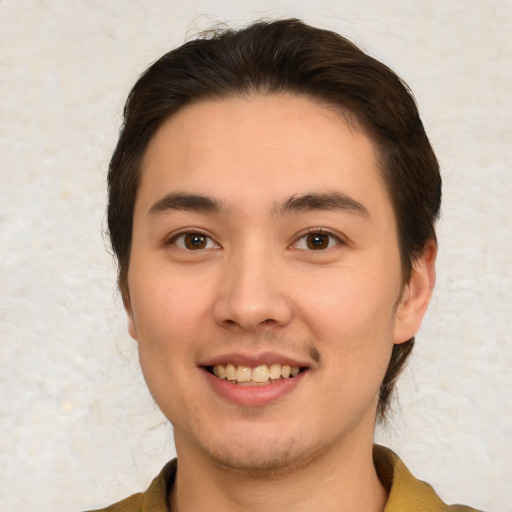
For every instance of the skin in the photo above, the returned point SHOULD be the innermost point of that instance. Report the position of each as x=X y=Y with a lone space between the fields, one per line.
x=257 y=286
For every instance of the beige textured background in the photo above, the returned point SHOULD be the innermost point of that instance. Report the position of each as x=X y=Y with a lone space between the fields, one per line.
x=77 y=427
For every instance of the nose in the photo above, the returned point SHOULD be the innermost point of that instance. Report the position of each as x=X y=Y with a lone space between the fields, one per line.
x=252 y=293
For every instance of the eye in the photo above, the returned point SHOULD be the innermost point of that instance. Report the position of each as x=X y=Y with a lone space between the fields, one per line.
x=317 y=241
x=194 y=241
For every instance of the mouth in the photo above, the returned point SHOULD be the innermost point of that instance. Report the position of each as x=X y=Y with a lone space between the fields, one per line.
x=260 y=375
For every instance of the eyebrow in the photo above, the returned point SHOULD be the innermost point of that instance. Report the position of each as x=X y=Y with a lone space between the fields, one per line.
x=176 y=201
x=188 y=202
x=322 y=201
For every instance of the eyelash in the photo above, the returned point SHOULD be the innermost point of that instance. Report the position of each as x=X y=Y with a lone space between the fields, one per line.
x=296 y=244
x=318 y=231
x=174 y=240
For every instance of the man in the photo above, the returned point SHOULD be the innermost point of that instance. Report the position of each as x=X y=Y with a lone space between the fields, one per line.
x=272 y=202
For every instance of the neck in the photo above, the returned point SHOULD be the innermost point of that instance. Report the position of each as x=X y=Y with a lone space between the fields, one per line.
x=337 y=480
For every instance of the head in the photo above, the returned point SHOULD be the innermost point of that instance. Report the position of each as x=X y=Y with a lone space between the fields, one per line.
x=287 y=57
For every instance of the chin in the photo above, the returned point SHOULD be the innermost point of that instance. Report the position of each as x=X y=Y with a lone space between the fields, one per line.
x=259 y=464
x=263 y=458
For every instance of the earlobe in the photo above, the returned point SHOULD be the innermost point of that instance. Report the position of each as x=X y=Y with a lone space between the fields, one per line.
x=132 y=330
x=416 y=295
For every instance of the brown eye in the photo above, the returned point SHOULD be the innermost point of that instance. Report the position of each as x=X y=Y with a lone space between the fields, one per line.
x=194 y=242
x=317 y=241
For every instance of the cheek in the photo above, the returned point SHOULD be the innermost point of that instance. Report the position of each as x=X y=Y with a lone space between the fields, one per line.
x=170 y=319
x=168 y=306
x=352 y=321
x=349 y=301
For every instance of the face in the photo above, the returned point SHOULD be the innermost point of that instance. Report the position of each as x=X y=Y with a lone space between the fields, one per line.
x=265 y=287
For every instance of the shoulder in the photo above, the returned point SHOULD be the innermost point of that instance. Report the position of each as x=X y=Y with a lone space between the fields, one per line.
x=154 y=499
x=130 y=504
x=405 y=491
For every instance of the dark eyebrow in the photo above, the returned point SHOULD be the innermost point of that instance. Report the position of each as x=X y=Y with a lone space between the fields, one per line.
x=322 y=201
x=188 y=202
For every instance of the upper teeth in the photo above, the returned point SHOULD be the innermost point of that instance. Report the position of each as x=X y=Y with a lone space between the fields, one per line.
x=261 y=373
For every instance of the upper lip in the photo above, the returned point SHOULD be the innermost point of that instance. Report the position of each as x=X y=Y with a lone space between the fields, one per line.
x=253 y=360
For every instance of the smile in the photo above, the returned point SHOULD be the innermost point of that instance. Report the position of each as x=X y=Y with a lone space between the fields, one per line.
x=261 y=374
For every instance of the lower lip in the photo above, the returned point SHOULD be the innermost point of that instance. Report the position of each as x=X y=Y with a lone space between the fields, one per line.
x=254 y=396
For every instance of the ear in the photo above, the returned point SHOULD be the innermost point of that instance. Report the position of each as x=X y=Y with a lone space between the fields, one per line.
x=127 y=303
x=416 y=294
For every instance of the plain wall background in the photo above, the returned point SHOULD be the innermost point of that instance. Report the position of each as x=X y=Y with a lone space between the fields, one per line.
x=78 y=428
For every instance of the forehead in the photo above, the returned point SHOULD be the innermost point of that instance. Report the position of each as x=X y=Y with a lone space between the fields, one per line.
x=266 y=146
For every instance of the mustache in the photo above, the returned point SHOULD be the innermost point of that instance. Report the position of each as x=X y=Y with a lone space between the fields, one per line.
x=268 y=340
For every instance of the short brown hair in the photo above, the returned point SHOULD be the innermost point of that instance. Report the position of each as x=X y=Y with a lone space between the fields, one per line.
x=287 y=56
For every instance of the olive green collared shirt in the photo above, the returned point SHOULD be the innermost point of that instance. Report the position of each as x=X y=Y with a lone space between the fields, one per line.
x=406 y=493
